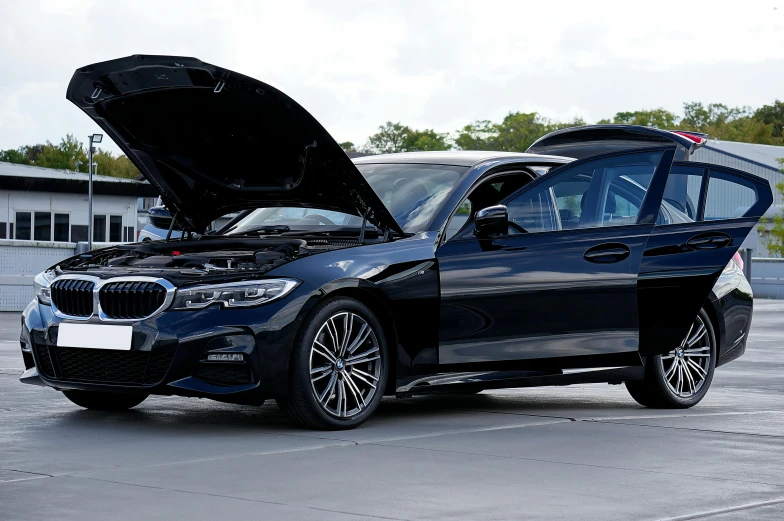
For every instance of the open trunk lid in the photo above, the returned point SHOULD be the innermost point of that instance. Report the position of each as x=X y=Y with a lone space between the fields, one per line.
x=590 y=140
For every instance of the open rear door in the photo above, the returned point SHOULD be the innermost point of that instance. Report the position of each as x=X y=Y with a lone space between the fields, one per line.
x=706 y=213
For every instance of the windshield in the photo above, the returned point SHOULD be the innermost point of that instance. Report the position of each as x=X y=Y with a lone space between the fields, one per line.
x=412 y=193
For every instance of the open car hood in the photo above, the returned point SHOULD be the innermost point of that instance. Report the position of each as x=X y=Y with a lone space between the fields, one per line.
x=213 y=141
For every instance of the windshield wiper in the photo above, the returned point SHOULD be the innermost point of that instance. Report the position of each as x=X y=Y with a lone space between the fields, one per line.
x=268 y=229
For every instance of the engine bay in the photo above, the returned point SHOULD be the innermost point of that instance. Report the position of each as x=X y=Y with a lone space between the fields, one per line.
x=201 y=257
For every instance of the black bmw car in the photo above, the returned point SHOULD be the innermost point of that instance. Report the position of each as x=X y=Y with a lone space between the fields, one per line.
x=602 y=255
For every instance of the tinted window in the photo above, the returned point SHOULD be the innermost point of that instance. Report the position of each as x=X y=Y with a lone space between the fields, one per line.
x=99 y=228
x=532 y=212
x=23 y=227
x=681 y=199
x=61 y=227
x=603 y=192
x=729 y=196
x=43 y=226
x=115 y=228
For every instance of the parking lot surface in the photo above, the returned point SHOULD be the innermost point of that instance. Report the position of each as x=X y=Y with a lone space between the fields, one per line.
x=581 y=452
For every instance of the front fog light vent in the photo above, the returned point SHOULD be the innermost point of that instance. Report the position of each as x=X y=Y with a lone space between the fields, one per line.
x=225 y=357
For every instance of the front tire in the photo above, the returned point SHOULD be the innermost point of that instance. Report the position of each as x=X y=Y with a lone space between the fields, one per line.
x=681 y=378
x=339 y=366
x=99 y=401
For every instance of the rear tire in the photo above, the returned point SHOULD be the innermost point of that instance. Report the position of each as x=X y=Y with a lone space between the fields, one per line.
x=338 y=368
x=681 y=378
x=100 y=401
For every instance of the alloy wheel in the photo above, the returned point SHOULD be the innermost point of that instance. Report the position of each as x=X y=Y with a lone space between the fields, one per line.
x=687 y=366
x=345 y=365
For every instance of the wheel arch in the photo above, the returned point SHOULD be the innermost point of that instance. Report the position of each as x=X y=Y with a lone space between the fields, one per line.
x=710 y=308
x=372 y=298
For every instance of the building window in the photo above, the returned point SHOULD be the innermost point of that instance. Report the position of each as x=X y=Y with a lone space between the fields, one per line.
x=79 y=233
x=2 y=231
x=115 y=228
x=62 y=226
x=130 y=234
x=99 y=228
x=22 y=226
x=43 y=226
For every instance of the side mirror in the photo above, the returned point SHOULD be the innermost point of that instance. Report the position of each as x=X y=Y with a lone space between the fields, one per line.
x=161 y=218
x=491 y=221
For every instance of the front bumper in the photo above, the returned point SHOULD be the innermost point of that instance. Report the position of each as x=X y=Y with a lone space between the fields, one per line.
x=169 y=351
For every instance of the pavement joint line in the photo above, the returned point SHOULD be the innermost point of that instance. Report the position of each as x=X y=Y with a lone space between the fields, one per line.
x=378 y=441
x=239 y=498
x=565 y=418
x=28 y=472
x=569 y=463
x=727 y=510
x=682 y=415
x=3 y=481
x=337 y=443
x=735 y=433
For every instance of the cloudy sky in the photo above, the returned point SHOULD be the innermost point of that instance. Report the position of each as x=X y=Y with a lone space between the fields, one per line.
x=428 y=64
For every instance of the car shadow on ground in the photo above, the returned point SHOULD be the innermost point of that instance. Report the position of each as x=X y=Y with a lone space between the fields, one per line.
x=164 y=414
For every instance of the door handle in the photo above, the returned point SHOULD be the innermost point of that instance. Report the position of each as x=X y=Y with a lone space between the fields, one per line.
x=607 y=253
x=709 y=241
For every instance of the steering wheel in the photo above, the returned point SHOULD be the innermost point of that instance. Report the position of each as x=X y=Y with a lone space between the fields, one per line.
x=320 y=218
x=517 y=227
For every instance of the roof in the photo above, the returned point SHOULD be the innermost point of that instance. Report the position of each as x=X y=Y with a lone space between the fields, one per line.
x=40 y=179
x=15 y=170
x=457 y=157
x=764 y=155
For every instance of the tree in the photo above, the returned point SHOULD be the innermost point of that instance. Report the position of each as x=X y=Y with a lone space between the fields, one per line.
x=348 y=146
x=395 y=137
x=657 y=118
x=772 y=115
x=774 y=241
x=478 y=135
x=70 y=154
x=727 y=123
x=64 y=156
x=13 y=156
x=515 y=133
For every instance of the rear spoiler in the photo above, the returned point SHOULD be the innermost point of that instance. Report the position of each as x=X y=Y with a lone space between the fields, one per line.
x=590 y=140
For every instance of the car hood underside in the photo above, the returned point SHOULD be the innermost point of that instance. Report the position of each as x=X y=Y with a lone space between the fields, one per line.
x=213 y=141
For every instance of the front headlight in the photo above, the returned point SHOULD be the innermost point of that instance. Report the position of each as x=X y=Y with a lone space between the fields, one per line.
x=41 y=284
x=233 y=295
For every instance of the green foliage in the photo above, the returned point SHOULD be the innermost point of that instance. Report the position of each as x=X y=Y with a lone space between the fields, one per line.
x=348 y=146
x=774 y=240
x=727 y=123
x=773 y=115
x=12 y=156
x=394 y=137
x=64 y=156
x=70 y=154
x=657 y=118
x=515 y=133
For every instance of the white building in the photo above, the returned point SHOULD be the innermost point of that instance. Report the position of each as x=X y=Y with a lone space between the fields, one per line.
x=43 y=213
x=761 y=160
x=44 y=205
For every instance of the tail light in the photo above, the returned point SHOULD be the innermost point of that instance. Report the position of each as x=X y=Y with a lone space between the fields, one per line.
x=738 y=260
x=692 y=136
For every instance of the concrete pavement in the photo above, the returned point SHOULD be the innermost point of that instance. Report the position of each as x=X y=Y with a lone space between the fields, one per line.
x=582 y=452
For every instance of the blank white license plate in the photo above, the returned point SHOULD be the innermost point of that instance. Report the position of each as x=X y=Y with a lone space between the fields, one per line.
x=95 y=336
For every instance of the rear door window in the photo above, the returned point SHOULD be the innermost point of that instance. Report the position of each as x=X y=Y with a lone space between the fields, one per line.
x=706 y=193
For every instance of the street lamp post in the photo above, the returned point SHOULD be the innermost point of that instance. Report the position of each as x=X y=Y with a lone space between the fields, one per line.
x=94 y=138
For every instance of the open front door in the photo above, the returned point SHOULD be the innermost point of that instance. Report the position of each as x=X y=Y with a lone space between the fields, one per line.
x=705 y=214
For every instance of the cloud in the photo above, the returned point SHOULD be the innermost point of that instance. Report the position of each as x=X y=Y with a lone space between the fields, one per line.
x=355 y=65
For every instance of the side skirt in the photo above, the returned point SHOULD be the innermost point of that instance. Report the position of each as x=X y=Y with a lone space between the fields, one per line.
x=477 y=381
